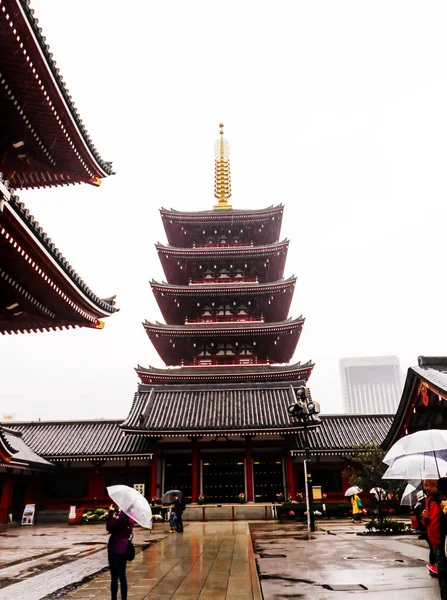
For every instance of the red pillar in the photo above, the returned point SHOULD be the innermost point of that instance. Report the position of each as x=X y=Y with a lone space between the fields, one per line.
x=249 y=471
x=154 y=476
x=5 y=498
x=195 y=471
x=290 y=477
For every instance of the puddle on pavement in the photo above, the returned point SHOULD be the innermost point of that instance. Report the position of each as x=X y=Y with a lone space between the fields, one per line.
x=273 y=556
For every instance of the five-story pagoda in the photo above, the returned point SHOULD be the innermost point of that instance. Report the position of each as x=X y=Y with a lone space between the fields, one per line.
x=218 y=412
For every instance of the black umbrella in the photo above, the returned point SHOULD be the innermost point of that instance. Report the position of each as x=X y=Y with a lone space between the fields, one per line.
x=168 y=497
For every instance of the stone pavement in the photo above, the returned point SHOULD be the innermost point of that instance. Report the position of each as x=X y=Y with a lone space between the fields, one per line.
x=39 y=560
x=209 y=561
x=215 y=560
x=335 y=562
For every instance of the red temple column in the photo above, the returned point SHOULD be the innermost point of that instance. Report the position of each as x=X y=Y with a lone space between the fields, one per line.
x=249 y=471
x=195 y=471
x=290 y=476
x=154 y=476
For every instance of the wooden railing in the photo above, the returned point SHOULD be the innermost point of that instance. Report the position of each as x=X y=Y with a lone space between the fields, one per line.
x=219 y=362
x=225 y=319
x=222 y=244
x=214 y=280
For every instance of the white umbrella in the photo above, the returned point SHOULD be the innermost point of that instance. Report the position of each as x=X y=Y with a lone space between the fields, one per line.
x=409 y=497
x=352 y=491
x=416 y=466
x=428 y=440
x=379 y=493
x=132 y=503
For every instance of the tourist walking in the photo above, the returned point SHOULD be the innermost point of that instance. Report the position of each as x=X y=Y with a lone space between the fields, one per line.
x=120 y=526
x=356 y=504
x=434 y=519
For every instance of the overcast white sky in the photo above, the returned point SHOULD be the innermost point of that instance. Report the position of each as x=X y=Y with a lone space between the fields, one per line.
x=336 y=109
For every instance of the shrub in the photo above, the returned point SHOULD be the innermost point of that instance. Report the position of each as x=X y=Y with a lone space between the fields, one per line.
x=98 y=515
x=387 y=526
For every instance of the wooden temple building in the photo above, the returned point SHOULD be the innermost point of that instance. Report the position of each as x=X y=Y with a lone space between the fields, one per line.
x=214 y=421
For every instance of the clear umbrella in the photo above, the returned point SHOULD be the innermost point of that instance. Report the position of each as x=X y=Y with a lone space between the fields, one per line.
x=168 y=497
x=416 y=466
x=353 y=490
x=409 y=497
x=132 y=503
x=428 y=440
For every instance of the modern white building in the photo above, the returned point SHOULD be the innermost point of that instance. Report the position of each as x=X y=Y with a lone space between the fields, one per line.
x=371 y=384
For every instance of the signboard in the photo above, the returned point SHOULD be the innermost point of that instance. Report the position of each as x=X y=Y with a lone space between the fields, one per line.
x=317 y=492
x=29 y=514
x=140 y=487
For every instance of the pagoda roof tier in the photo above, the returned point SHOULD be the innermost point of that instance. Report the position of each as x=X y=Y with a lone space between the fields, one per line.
x=274 y=341
x=225 y=374
x=39 y=289
x=183 y=264
x=185 y=302
x=260 y=226
x=180 y=411
x=44 y=141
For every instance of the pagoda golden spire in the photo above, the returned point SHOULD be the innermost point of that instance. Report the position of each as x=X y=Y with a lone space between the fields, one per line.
x=222 y=180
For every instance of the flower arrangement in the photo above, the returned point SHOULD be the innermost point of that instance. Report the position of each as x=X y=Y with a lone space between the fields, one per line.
x=324 y=496
x=201 y=499
x=241 y=497
x=279 y=497
x=299 y=497
x=98 y=515
x=155 y=500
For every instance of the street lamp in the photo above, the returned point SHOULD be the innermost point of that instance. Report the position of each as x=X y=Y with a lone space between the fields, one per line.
x=304 y=408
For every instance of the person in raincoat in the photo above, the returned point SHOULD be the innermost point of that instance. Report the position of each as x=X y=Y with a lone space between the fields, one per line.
x=356 y=509
x=120 y=526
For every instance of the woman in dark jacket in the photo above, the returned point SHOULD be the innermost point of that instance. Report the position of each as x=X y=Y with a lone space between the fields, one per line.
x=120 y=527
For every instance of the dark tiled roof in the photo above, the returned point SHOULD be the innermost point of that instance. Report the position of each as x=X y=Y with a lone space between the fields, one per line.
x=206 y=410
x=433 y=369
x=48 y=58
x=221 y=214
x=107 y=304
x=219 y=288
x=228 y=251
x=227 y=370
x=21 y=453
x=342 y=432
x=223 y=328
x=81 y=439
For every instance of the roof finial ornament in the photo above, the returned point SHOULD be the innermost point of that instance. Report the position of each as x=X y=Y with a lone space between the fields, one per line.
x=222 y=181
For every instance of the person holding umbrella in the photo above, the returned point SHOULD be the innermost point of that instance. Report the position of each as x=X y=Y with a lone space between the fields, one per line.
x=134 y=508
x=356 y=503
x=174 y=497
x=120 y=526
x=178 y=509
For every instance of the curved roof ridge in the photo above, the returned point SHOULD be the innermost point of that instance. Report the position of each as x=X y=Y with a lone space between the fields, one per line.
x=107 y=304
x=51 y=63
x=223 y=325
x=224 y=286
x=228 y=212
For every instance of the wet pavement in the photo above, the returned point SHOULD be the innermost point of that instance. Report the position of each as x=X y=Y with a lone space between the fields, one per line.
x=336 y=562
x=218 y=561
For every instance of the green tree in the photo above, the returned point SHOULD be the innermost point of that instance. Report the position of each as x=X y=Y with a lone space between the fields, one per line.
x=366 y=468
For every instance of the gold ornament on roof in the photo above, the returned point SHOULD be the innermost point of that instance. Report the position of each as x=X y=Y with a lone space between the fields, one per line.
x=222 y=180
